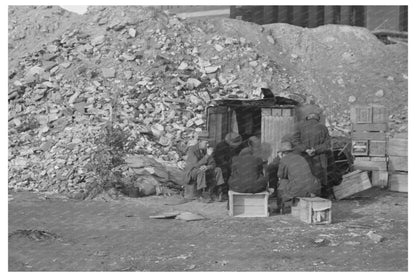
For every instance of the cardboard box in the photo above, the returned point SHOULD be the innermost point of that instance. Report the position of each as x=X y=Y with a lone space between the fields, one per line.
x=314 y=210
x=248 y=204
x=352 y=183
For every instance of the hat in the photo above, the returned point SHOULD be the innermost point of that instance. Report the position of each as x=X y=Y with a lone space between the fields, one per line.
x=233 y=139
x=286 y=147
x=313 y=116
x=203 y=135
x=254 y=141
x=310 y=109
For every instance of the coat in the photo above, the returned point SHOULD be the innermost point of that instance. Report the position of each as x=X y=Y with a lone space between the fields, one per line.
x=195 y=159
x=223 y=155
x=311 y=133
x=296 y=178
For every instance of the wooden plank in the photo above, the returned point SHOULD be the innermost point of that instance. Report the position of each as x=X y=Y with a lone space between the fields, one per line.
x=287 y=112
x=266 y=112
x=361 y=135
x=350 y=186
x=276 y=112
x=379 y=178
x=397 y=147
x=398 y=163
x=369 y=127
x=398 y=182
x=377 y=148
x=370 y=165
x=361 y=114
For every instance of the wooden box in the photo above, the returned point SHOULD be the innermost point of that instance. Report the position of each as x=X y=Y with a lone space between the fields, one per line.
x=370 y=127
x=397 y=147
x=370 y=164
x=359 y=148
x=313 y=210
x=248 y=204
x=352 y=183
x=361 y=114
x=379 y=178
x=377 y=148
x=379 y=114
x=398 y=181
x=397 y=163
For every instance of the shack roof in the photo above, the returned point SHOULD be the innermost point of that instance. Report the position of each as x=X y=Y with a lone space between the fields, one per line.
x=276 y=101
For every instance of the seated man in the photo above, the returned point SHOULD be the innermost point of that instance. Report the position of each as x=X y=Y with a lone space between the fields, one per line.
x=295 y=176
x=201 y=169
x=247 y=172
x=223 y=154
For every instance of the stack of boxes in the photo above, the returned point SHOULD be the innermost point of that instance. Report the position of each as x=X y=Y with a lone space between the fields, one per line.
x=369 y=141
x=397 y=151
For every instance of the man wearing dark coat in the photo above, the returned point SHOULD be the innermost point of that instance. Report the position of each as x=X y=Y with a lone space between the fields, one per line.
x=311 y=139
x=200 y=167
x=247 y=172
x=295 y=176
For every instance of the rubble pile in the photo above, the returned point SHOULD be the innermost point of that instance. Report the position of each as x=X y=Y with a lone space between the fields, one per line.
x=149 y=73
x=153 y=75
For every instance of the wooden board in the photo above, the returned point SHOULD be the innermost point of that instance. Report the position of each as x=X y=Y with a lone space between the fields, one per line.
x=397 y=147
x=397 y=163
x=248 y=204
x=369 y=127
x=379 y=178
x=377 y=148
x=361 y=135
x=352 y=184
x=369 y=165
x=398 y=182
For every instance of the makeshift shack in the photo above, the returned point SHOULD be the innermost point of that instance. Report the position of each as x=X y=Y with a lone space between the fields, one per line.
x=269 y=119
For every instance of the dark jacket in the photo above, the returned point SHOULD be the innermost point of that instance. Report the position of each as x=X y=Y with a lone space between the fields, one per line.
x=196 y=158
x=247 y=173
x=310 y=134
x=296 y=178
x=223 y=154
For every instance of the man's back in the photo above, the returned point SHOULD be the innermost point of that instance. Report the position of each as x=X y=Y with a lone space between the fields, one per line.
x=246 y=171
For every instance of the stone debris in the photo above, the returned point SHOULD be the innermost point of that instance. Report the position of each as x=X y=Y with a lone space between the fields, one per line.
x=152 y=75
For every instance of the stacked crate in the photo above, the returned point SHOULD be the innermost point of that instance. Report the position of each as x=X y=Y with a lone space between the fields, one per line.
x=397 y=166
x=369 y=141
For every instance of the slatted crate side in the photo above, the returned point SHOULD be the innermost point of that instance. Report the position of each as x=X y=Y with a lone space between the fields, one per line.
x=377 y=148
x=248 y=204
x=379 y=114
x=398 y=163
x=397 y=147
x=369 y=165
x=370 y=127
x=352 y=185
x=398 y=182
x=379 y=178
x=361 y=114
x=362 y=135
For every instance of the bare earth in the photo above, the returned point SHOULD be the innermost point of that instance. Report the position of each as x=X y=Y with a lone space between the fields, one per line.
x=118 y=235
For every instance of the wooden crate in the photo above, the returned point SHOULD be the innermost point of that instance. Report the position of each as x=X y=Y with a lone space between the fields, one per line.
x=352 y=183
x=398 y=181
x=370 y=127
x=379 y=114
x=359 y=148
x=373 y=163
x=377 y=148
x=361 y=114
x=363 y=135
x=398 y=163
x=314 y=210
x=397 y=147
x=379 y=178
x=248 y=204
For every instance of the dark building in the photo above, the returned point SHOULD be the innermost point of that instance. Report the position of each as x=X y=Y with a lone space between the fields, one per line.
x=392 y=18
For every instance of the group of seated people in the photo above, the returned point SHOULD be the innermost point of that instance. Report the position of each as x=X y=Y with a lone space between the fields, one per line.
x=235 y=165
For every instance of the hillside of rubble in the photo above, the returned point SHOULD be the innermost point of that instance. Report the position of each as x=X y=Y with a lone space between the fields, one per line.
x=153 y=74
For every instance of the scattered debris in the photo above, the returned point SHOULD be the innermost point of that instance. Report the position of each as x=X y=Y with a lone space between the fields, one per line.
x=375 y=237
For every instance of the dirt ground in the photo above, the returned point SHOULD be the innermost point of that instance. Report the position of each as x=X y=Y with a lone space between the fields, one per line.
x=118 y=235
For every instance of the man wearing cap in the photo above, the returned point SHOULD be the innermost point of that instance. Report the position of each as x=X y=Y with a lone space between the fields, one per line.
x=223 y=154
x=200 y=167
x=247 y=170
x=295 y=176
x=312 y=139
